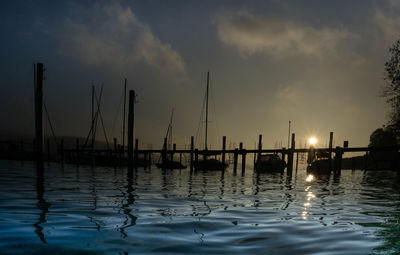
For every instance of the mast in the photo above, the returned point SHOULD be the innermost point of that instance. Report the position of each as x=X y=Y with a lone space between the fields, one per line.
x=123 y=125
x=208 y=78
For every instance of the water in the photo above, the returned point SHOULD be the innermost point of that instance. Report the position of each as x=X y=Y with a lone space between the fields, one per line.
x=68 y=209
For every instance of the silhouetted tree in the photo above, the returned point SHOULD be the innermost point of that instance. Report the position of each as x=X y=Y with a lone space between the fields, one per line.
x=392 y=89
x=382 y=137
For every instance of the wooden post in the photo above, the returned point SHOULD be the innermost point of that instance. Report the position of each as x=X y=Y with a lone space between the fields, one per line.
x=235 y=160
x=191 y=152
x=338 y=160
x=283 y=152
x=136 y=157
x=180 y=157
x=115 y=145
x=223 y=149
x=39 y=131
x=243 y=156
x=297 y=161
x=290 y=155
x=259 y=146
x=131 y=123
x=164 y=152
x=243 y=160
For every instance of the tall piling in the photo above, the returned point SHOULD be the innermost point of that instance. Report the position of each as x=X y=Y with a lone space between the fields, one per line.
x=39 y=131
x=290 y=155
x=338 y=160
x=235 y=160
x=164 y=152
x=259 y=146
x=131 y=126
x=241 y=151
x=330 y=150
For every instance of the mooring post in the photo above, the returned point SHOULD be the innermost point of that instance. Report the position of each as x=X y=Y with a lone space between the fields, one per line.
x=164 y=152
x=39 y=112
x=241 y=151
x=235 y=160
x=330 y=150
x=131 y=126
x=297 y=161
x=180 y=157
x=290 y=155
x=136 y=156
x=115 y=146
x=191 y=152
x=283 y=152
x=338 y=160
x=223 y=149
x=244 y=153
x=259 y=146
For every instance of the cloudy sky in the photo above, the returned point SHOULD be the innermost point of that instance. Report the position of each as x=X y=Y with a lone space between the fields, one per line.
x=316 y=63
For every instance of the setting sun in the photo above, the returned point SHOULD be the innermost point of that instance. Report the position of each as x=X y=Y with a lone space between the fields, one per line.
x=312 y=140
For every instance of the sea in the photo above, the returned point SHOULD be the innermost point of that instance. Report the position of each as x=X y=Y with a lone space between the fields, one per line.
x=70 y=209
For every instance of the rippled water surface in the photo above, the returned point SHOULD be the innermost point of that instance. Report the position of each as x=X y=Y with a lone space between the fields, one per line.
x=69 y=209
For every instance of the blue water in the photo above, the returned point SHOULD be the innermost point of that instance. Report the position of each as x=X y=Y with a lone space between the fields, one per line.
x=73 y=210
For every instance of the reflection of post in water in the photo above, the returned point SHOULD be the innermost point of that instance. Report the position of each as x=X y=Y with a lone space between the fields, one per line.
x=42 y=204
x=130 y=191
x=94 y=192
x=222 y=189
x=190 y=184
x=256 y=178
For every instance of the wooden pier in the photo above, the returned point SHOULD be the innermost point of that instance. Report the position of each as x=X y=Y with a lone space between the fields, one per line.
x=133 y=156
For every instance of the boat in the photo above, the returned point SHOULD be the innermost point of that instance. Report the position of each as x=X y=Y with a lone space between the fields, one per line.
x=208 y=163
x=318 y=162
x=269 y=163
x=164 y=161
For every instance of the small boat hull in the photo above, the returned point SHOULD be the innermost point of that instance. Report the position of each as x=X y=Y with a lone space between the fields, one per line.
x=269 y=163
x=170 y=165
x=210 y=164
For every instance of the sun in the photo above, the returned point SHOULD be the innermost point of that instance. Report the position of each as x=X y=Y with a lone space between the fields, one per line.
x=312 y=140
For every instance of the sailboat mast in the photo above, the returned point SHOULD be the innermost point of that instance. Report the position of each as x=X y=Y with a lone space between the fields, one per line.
x=208 y=78
x=123 y=125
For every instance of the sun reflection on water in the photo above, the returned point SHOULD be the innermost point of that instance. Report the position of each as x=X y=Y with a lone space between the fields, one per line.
x=309 y=197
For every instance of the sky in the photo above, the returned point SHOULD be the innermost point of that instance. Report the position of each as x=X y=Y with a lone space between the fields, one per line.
x=319 y=64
